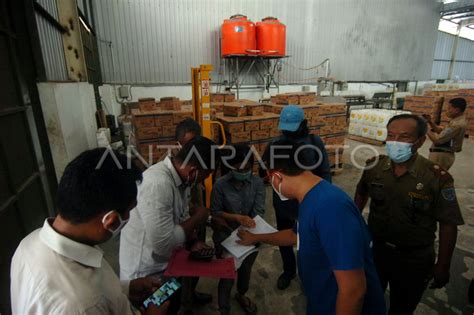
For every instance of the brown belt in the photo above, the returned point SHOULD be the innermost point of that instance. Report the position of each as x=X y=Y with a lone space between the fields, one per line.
x=441 y=150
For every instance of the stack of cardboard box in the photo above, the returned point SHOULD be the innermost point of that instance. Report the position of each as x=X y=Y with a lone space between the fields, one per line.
x=424 y=105
x=149 y=104
x=246 y=122
x=296 y=98
x=155 y=129
x=468 y=95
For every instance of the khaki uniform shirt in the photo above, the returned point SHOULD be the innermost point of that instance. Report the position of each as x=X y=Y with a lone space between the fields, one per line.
x=452 y=137
x=404 y=210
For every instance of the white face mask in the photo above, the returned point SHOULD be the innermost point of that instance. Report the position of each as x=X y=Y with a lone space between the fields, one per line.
x=119 y=228
x=278 y=192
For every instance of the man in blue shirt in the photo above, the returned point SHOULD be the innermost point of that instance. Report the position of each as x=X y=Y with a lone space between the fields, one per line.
x=294 y=127
x=334 y=247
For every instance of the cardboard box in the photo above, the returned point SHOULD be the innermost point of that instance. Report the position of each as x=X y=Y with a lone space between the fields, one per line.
x=148 y=133
x=164 y=120
x=255 y=110
x=147 y=104
x=146 y=148
x=252 y=125
x=234 y=127
x=276 y=123
x=266 y=123
x=229 y=97
x=326 y=130
x=274 y=133
x=235 y=110
x=277 y=108
x=262 y=147
x=143 y=121
x=170 y=103
x=219 y=107
x=285 y=99
x=180 y=116
x=307 y=99
x=169 y=131
x=268 y=108
x=332 y=108
x=260 y=134
x=217 y=97
x=238 y=137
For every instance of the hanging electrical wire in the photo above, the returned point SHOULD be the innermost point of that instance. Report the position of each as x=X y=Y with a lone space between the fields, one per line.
x=306 y=69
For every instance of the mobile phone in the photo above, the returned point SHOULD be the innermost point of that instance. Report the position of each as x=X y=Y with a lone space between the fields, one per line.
x=161 y=295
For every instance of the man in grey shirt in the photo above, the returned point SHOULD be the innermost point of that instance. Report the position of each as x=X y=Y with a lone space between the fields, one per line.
x=237 y=197
x=161 y=221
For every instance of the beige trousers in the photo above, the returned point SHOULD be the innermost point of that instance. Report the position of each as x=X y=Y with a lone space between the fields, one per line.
x=443 y=159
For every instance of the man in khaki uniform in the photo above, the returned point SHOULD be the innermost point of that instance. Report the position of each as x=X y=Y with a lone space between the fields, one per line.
x=409 y=195
x=449 y=140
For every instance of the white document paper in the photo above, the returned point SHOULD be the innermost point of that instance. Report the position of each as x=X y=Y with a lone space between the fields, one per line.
x=237 y=250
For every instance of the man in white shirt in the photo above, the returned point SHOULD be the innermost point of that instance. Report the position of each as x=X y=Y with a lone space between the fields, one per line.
x=59 y=269
x=162 y=220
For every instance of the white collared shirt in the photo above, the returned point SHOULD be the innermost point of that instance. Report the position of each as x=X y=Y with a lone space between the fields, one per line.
x=153 y=230
x=52 y=274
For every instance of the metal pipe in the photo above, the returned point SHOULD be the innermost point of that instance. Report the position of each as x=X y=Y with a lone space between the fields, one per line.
x=453 y=53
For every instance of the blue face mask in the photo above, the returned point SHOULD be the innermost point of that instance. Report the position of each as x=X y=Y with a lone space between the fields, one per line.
x=241 y=176
x=399 y=152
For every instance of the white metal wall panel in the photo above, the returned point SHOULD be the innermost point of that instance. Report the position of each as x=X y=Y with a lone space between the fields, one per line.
x=157 y=41
x=444 y=46
x=464 y=66
x=51 y=43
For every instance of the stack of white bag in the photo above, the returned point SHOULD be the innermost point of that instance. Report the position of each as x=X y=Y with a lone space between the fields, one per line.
x=371 y=123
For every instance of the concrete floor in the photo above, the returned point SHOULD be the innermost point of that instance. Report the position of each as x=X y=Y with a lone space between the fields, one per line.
x=267 y=268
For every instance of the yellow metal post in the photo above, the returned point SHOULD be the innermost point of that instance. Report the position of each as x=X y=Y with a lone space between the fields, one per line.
x=205 y=111
x=201 y=88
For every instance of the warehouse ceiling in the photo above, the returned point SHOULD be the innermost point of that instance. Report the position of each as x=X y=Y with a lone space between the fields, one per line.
x=459 y=12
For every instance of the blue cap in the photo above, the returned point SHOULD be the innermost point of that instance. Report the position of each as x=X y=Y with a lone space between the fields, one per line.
x=290 y=118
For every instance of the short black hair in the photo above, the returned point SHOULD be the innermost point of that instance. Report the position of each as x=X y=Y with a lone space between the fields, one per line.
x=185 y=126
x=241 y=152
x=459 y=103
x=95 y=182
x=287 y=156
x=200 y=152
x=421 y=125
x=301 y=132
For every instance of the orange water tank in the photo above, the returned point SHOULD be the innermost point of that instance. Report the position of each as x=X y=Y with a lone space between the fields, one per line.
x=271 y=37
x=238 y=36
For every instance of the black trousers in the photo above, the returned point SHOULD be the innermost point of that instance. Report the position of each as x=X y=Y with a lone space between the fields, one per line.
x=286 y=213
x=243 y=280
x=407 y=271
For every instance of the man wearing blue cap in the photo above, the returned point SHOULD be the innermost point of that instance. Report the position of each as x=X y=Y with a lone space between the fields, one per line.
x=294 y=127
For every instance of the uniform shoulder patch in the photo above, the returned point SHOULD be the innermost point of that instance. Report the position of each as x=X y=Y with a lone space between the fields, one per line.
x=440 y=172
x=449 y=194
x=373 y=161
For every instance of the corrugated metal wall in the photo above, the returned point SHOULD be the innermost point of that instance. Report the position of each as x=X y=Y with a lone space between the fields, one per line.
x=51 y=43
x=157 y=41
x=464 y=66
